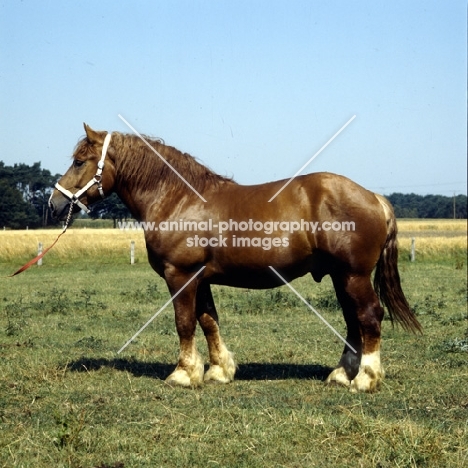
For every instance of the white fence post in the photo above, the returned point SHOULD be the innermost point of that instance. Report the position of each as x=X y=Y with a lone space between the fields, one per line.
x=132 y=252
x=39 y=251
x=413 y=249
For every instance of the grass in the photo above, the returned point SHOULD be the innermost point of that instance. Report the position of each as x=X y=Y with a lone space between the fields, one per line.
x=76 y=244
x=445 y=226
x=434 y=239
x=68 y=400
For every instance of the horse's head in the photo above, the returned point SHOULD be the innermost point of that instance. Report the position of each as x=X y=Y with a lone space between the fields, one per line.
x=89 y=179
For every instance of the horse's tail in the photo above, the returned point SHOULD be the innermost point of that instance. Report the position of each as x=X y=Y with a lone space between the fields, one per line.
x=387 y=279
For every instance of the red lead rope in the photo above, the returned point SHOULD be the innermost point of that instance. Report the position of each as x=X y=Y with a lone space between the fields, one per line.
x=36 y=259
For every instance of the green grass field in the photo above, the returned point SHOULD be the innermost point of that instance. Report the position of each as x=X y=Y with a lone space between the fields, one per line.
x=67 y=399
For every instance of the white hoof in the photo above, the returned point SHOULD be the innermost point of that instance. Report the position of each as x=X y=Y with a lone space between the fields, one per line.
x=188 y=377
x=224 y=372
x=179 y=378
x=216 y=374
x=366 y=381
x=338 y=377
x=370 y=374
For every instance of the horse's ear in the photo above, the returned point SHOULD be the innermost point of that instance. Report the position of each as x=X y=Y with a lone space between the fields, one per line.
x=94 y=136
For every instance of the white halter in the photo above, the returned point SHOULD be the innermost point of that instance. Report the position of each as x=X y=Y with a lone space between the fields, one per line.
x=97 y=179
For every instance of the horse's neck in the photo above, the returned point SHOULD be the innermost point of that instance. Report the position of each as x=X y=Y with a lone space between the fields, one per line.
x=130 y=201
x=141 y=195
x=144 y=203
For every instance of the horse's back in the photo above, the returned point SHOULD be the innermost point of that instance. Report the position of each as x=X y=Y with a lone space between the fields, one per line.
x=316 y=223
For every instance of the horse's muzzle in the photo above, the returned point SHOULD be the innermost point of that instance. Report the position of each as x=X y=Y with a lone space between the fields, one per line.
x=59 y=206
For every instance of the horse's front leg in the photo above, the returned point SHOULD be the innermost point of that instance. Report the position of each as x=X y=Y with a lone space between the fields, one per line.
x=222 y=365
x=190 y=368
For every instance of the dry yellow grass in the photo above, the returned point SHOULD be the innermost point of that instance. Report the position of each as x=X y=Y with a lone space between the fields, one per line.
x=433 y=238
x=75 y=243
x=436 y=226
x=433 y=224
x=433 y=246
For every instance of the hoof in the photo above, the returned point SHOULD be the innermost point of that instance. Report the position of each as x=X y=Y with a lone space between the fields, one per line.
x=338 y=377
x=223 y=372
x=370 y=374
x=179 y=378
x=367 y=380
x=188 y=378
x=217 y=375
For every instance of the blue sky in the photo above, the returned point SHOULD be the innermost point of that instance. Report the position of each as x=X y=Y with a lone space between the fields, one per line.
x=251 y=88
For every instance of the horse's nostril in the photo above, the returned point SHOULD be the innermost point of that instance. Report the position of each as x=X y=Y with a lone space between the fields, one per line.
x=53 y=209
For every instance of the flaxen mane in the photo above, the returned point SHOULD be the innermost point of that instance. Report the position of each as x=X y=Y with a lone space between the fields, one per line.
x=144 y=167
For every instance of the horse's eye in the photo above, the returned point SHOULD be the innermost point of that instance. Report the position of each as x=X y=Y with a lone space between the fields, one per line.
x=78 y=163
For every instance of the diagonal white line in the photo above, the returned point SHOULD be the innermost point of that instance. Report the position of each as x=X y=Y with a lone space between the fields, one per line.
x=161 y=309
x=158 y=154
x=312 y=158
x=313 y=310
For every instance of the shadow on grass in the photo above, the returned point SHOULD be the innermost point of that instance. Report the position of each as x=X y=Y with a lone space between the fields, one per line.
x=251 y=371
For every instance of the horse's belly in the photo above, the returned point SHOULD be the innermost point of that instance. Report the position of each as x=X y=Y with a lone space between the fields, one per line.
x=260 y=276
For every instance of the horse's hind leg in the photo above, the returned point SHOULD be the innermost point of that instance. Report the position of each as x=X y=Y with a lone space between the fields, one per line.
x=222 y=365
x=361 y=371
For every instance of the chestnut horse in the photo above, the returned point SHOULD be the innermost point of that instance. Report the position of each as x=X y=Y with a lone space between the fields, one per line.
x=160 y=185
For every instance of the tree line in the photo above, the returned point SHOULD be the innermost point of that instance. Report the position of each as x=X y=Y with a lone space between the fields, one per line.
x=24 y=196
x=25 y=191
x=428 y=206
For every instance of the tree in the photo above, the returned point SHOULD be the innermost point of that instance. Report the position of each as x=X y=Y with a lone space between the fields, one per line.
x=110 y=208
x=25 y=191
x=428 y=206
x=15 y=213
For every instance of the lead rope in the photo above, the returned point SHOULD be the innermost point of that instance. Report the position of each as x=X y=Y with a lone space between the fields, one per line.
x=36 y=259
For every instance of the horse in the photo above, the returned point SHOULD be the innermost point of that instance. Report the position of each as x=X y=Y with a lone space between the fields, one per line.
x=271 y=241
